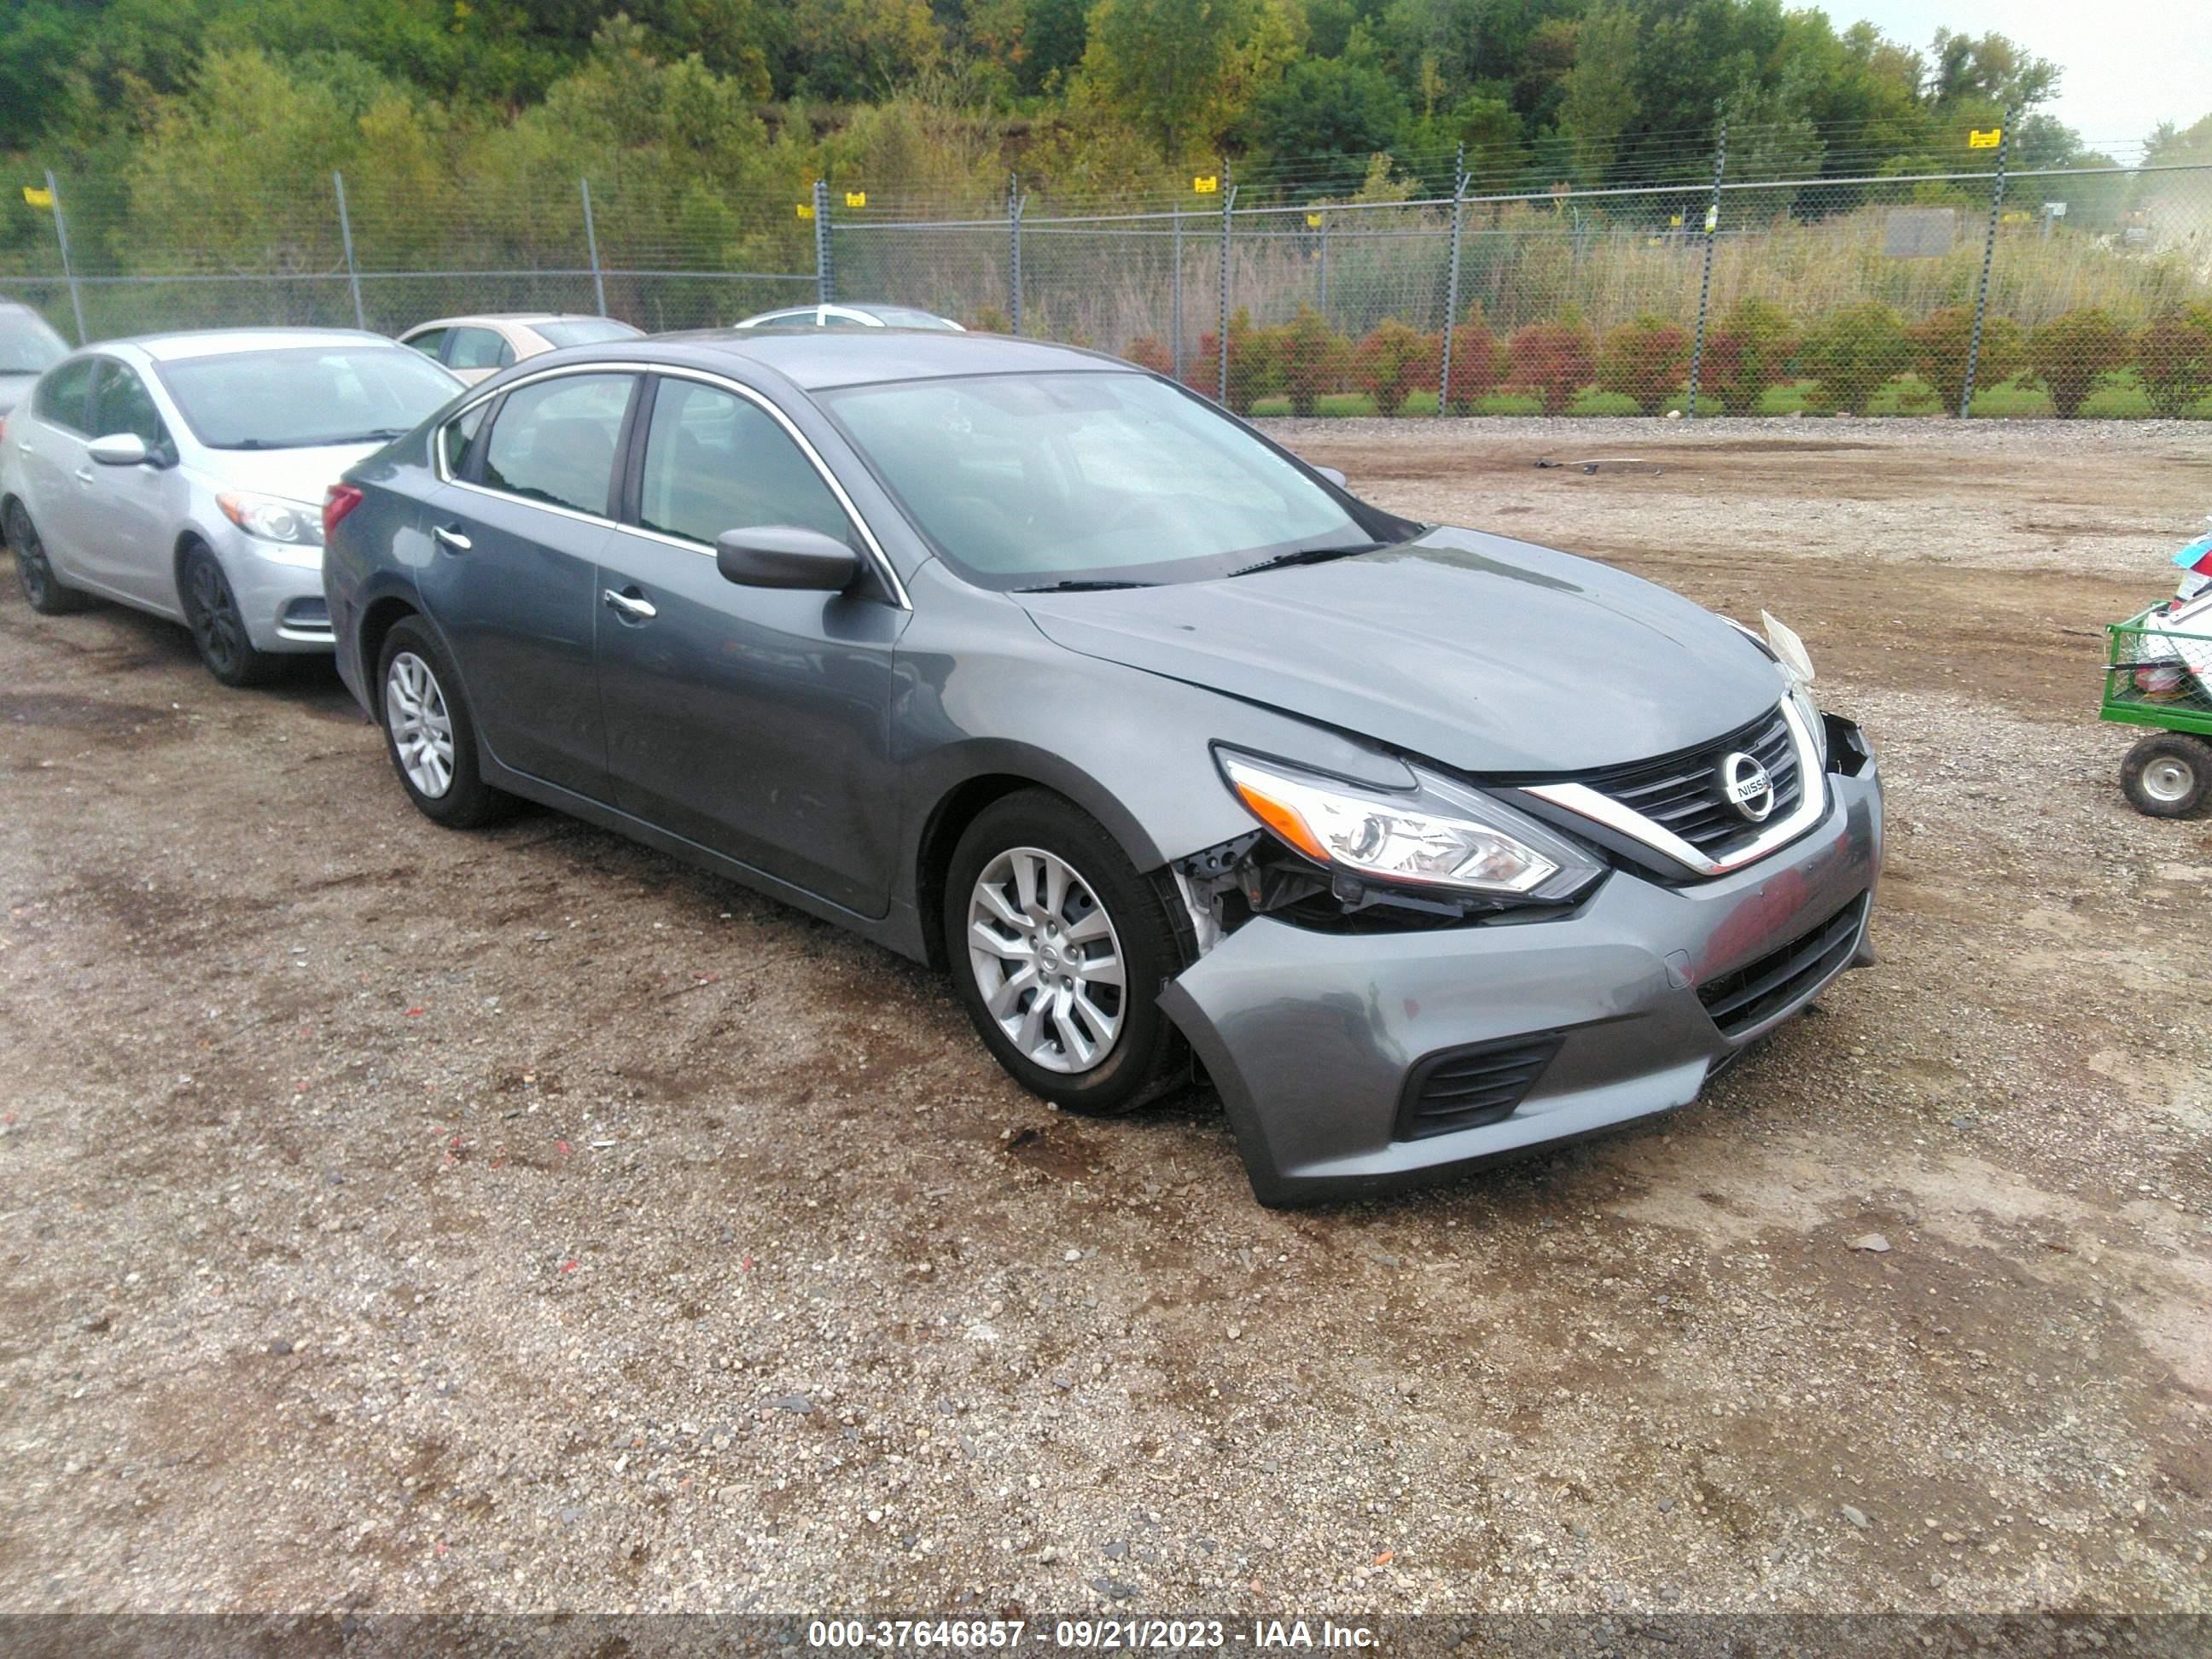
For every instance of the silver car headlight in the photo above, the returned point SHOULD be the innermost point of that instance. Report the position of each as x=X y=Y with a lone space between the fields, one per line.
x=273 y=519
x=1797 y=669
x=1439 y=834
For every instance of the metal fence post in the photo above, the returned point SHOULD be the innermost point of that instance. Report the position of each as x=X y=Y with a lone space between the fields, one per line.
x=1988 y=253
x=1325 y=222
x=1014 y=250
x=1451 y=282
x=68 y=271
x=825 y=275
x=345 y=236
x=592 y=249
x=1175 y=296
x=1705 y=282
x=1228 y=207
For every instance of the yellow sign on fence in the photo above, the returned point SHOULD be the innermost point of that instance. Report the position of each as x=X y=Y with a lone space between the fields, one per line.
x=1977 y=139
x=38 y=196
x=806 y=209
x=1206 y=183
x=856 y=199
x=1313 y=222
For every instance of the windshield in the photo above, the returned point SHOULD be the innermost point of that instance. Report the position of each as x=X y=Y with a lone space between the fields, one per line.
x=303 y=397
x=27 y=346
x=1041 y=480
x=587 y=330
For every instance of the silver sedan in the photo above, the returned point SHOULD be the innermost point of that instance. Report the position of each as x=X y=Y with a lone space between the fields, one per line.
x=184 y=474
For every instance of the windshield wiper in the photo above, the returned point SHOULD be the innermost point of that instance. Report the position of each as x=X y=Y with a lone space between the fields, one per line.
x=1082 y=587
x=1308 y=555
x=383 y=435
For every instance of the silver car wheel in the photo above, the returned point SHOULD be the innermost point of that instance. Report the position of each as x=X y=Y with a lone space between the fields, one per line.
x=1047 y=960
x=422 y=729
x=2167 y=780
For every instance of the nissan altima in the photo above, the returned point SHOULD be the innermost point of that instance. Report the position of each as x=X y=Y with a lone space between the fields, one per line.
x=1425 y=847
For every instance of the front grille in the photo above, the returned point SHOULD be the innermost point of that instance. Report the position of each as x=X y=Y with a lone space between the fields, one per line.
x=1461 y=1088
x=1759 y=990
x=1682 y=794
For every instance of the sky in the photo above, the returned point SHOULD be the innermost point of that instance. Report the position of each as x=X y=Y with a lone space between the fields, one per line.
x=2130 y=64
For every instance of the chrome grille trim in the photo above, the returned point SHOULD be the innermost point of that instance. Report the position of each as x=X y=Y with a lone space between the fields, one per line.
x=1812 y=806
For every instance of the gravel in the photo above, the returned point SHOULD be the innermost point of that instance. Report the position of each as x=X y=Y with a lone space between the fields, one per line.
x=406 y=1220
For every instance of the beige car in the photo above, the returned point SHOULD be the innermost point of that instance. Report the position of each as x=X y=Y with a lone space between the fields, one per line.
x=473 y=347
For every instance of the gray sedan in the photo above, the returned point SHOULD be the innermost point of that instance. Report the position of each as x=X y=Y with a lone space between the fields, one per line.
x=1425 y=847
x=185 y=474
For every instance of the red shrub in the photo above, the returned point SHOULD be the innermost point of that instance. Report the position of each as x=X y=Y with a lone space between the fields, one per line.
x=1556 y=360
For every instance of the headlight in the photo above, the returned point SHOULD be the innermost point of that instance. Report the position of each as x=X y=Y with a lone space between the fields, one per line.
x=274 y=518
x=1797 y=669
x=1436 y=835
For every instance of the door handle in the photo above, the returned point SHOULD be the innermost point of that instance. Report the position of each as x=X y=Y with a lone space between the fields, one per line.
x=452 y=539
x=84 y=475
x=631 y=607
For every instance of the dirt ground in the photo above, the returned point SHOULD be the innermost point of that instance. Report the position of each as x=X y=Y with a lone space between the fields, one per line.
x=396 y=1219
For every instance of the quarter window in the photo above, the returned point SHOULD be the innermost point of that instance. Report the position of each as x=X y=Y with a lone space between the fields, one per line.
x=479 y=348
x=430 y=343
x=714 y=461
x=122 y=403
x=65 y=395
x=554 y=442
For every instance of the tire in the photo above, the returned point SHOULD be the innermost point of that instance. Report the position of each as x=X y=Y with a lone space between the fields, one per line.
x=2168 y=774
x=429 y=733
x=218 y=625
x=1085 y=1044
x=42 y=590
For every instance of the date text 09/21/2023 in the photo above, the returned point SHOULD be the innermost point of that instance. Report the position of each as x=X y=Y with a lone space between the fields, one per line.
x=1085 y=1634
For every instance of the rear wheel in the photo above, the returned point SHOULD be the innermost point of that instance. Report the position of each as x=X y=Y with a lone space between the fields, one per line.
x=219 y=626
x=42 y=589
x=428 y=733
x=1058 y=949
x=2168 y=775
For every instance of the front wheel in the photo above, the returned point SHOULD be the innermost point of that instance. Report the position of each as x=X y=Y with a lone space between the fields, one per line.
x=219 y=626
x=1058 y=949
x=42 y=589
x=2168 y=775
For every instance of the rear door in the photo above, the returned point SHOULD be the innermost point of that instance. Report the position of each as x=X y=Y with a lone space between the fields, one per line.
x=131 y=509
x=512 y=572
x=751 y=720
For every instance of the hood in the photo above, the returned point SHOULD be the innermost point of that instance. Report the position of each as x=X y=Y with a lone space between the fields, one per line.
x=1484 y=654
x=298 y=475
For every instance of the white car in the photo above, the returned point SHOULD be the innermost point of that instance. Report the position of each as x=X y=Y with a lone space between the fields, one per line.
x=473 y=347
x=28 y=347
x=862 y=316
x=184 y=474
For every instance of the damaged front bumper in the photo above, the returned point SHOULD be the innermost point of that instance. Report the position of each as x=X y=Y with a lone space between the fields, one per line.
x=1347 y=1060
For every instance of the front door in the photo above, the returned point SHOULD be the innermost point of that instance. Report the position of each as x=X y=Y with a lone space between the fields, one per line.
x=512 y=569
x=133 y=506
x=752 y=721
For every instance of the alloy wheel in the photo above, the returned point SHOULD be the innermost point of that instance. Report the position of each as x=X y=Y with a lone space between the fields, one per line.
x=421 y=725
x=1046 y=959
x=32 y=569
x=217 y=628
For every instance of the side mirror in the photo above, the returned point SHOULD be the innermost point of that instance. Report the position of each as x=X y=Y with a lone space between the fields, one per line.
x=1331 y=475
x=784 y=555
x=119 y=449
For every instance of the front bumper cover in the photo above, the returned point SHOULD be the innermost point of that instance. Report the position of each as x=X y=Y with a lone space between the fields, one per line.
x=1310 y=1037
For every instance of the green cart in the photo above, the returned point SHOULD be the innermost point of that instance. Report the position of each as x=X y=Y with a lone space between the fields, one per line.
x=2158 y=678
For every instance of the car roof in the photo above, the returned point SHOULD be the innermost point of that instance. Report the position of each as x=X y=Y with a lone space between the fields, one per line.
x=819 y=360
x=513 y=317
x=224 y=342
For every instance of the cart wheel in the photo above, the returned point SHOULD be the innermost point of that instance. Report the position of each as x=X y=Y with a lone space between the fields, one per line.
x=2168 y=775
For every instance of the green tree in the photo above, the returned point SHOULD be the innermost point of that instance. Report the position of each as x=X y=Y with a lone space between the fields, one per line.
x=1600 y=102
x=1166 y=66
x=1329 y=110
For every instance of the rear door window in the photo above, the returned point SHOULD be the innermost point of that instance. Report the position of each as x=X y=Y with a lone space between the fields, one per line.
x=430 y=343
x=714 y=461
x=553 y=442
x=479 y=348
x=65 y=398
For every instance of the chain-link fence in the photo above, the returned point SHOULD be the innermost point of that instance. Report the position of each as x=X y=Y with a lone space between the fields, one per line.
x=1990 y=292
